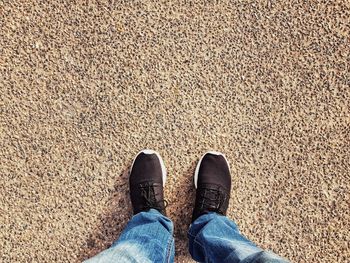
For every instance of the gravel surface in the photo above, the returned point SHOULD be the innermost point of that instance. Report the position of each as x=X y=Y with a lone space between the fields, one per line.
x=84 y=85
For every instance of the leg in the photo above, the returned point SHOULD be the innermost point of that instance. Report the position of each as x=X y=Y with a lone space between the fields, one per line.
x=212 y=236
x=148 y=237
x=215 y=238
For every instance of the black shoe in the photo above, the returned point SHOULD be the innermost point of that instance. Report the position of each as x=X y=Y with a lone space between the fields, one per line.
x=147 y=179
x=212 y=180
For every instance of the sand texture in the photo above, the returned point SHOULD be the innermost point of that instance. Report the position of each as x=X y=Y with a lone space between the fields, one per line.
x=84 y=85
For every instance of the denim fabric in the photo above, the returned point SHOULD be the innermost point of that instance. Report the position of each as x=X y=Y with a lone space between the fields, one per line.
x=215 y=238
x=148 y=237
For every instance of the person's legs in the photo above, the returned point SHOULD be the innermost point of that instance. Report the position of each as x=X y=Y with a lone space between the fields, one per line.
x=212 y=236
x=148 y=237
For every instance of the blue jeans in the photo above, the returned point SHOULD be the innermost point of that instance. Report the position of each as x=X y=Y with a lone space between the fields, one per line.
x=148 y=237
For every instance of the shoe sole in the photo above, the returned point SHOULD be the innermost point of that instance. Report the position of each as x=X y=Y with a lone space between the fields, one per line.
x=196 y=172
x=162 y=166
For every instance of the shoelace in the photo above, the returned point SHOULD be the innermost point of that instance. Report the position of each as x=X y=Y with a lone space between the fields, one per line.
x=147 y=192
x=212 y=199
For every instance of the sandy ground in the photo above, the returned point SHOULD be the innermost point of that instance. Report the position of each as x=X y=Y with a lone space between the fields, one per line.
x=85 y=85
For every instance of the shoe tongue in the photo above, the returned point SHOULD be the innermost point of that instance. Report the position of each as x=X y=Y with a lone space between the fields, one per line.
x=211 y=198
x=212 y=195
x=152 y=192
